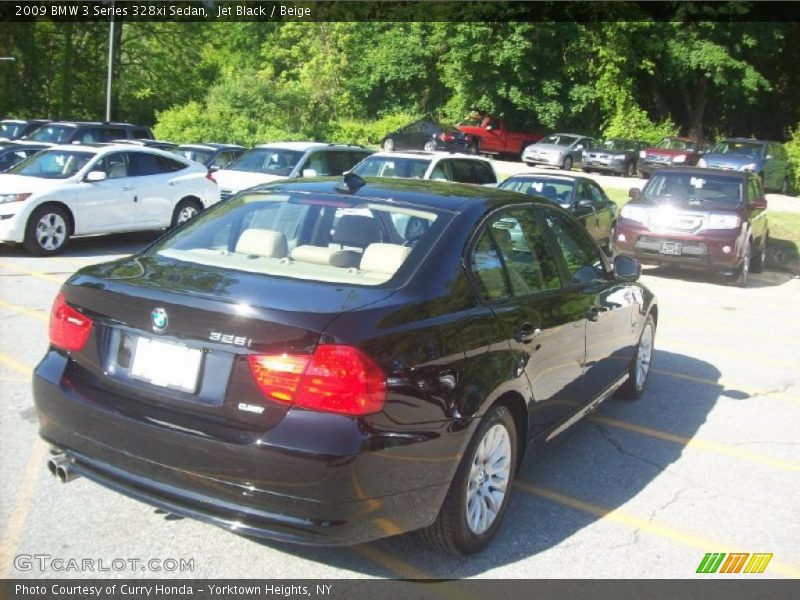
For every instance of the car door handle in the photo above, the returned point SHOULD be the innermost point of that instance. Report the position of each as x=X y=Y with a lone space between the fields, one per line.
x=593 y=314
x=526 y=333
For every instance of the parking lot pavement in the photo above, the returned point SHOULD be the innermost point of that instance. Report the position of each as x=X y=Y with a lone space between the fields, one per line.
x=707 y=461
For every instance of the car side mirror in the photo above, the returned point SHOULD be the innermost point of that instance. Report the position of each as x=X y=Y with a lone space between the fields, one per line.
x=93 y=176
x=627 y=268
x=759 y=203
x=309 y=172
x=579 y=147
x=585 y=203
x=634 y=193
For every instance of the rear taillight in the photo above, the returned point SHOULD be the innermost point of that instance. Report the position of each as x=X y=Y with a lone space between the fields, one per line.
x=210 y=175
x=69 y=329
x=447 y=137
x=338 y=379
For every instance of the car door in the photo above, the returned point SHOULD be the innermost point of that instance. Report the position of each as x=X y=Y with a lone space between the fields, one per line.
x=517 y=275
x=410 y=137
x=607 y=305
x=108 y=205
x=774 y=168
x=757 y=210
x=584 y=209
x=441 y=171
x=604 y=212
x=157 y=188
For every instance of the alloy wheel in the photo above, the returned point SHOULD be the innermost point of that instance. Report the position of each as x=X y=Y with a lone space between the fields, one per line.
x=51 y=231
x=489 y=477
x=644 y=355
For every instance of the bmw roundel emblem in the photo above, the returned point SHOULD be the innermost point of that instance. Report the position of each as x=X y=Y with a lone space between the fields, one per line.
x=159 y=318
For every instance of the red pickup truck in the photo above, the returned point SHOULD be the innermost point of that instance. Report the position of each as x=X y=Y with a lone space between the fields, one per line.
x=494 y=136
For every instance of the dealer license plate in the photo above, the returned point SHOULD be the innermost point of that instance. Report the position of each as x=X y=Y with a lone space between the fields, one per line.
x=166 y=365
x=673 y=248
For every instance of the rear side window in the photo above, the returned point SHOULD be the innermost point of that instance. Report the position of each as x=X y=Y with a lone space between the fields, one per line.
x=306 y=237
x=141 y=133
x=581 y=255
x=143 y=163
x=483 y=173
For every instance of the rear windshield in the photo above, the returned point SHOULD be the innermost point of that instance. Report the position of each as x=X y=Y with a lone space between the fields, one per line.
x=558 y=192
x=307 y=236
x=389 y=166
x=685 y=188
x=674 y=144
x=751 y=149
x=11 y=130
x=619 y=145
x=559 y=140
x=274 y=161
x=194 y=154
x=54 y=134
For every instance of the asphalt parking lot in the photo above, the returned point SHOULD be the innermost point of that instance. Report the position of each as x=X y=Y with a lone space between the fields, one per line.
x=707 y=461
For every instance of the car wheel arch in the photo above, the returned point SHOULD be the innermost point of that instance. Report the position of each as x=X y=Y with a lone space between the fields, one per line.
x=64 y=207
x=515 y=403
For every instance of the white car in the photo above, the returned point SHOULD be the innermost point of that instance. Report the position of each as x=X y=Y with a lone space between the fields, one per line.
x=78 y=190
x=441 y=166
x=287 y=160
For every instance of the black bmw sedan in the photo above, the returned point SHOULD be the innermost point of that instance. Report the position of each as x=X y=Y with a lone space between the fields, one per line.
x=331 y=363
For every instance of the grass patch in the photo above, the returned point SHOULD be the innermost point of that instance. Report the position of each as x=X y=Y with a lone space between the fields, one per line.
x=783 y=251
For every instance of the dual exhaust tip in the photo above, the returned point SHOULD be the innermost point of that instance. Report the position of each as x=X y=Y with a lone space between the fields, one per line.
x=60 y=466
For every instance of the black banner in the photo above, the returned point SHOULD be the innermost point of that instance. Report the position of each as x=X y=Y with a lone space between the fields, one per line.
x=349 y=589
x=395 y=11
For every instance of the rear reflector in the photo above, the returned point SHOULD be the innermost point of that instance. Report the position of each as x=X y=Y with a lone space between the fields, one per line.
x=337 y=379
x=447 y=137
x=69 y=329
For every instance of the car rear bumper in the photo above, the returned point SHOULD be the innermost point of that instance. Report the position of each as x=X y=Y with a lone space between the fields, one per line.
x=705 y=252
x=552 y=161
x=612 y=166
x=358 y=489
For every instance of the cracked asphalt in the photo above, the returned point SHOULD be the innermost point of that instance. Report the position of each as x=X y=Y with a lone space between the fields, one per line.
x=707 y=461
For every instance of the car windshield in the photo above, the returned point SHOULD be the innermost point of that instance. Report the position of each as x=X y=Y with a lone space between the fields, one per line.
x=751 y=149
x=195 y=154
x=275 y=161
x=310 y=237
x=676 y=144
x=11 y=130
x=390 y=166
x=693 y=189
x=54 y=134
x=52 y=164
x=619 y=145
x=555 y=190
x=473 y=121
x=559 y=140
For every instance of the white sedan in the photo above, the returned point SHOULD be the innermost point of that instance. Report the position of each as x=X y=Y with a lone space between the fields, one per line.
x=79 y=190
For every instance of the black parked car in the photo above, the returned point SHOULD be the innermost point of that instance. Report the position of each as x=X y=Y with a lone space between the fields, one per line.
x=579 y=195
x=217 y=156
x=616 y=156
x=13 y=152
x=81 y=132
x=430 y=136
x=320 y=362
x=14 y=129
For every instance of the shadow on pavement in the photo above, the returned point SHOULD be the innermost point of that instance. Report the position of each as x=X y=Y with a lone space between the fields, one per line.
x=755 y=280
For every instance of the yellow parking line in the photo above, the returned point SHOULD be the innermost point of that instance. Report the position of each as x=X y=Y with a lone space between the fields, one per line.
x=25 y=311
x=32 y=273
x=634 y=522
x=700 y=444
x=725 y=385
x=15 y=365
x=390 y=563
x=716 y=349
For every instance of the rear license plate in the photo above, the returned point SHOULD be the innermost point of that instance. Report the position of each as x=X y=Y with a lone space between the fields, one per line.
x=673 y=248
x=166 y=365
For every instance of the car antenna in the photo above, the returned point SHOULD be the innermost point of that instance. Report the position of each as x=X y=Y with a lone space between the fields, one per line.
x=350 y=183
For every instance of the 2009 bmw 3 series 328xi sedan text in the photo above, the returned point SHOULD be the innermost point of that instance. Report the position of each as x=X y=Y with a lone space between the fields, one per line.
x=332 y=362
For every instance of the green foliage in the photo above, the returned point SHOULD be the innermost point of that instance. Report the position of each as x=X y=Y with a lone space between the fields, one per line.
x=793 y=149
x=367 y=133
x=632 y=122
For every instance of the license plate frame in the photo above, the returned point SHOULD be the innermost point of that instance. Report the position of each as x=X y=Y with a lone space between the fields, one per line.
x=166 y=364
x=671 y=248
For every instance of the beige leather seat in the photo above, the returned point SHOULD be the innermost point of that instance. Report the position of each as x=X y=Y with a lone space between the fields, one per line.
x=318 y=255
x=384 y=258
x=262 y=242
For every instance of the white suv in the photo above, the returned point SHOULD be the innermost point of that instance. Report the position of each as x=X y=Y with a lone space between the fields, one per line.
x=85 y=189
x=286 y=160
x=438 y=166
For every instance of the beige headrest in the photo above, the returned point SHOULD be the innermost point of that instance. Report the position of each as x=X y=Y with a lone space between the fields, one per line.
x=384 y=258
x=262 y=242
x=326 y=256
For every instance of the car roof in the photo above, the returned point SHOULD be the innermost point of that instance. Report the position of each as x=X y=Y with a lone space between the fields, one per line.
x=749 y=140
x=442 y=195
x=298 y=146
x=426 y=154
x=536 y=175
x=25 y=121
x=93 y=124
x=212 y=146
x=743 y=175
x=105 y=148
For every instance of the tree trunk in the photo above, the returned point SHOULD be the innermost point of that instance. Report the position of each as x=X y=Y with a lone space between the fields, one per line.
x=65 y=104
x=696 y=106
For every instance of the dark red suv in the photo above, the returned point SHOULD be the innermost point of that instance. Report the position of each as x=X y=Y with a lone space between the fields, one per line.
x=669 y=152
x=696 y=217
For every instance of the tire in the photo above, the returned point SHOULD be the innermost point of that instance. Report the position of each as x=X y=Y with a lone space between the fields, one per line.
x=567 y=164
x=640 y=366
x=460 y=528
x=187 y=209
x=429 y=147
x=757 y=262
x=47 y=230
x=743 y=272
x=388 y=145
x=585 y=170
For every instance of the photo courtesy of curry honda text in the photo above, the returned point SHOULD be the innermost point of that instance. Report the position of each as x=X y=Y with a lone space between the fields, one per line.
x=312 y=360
